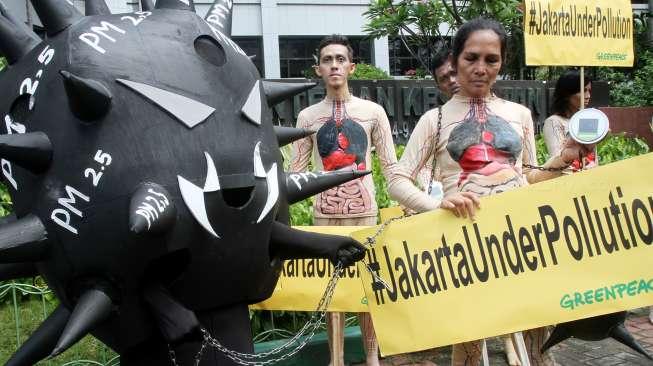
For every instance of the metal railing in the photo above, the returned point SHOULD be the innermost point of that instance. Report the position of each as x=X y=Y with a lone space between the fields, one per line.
x=24 y=305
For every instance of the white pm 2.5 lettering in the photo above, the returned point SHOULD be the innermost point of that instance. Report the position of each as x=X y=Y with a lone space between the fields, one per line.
x=108 y=32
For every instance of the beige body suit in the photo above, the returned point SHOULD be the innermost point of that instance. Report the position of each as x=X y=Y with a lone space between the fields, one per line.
x=346 y=132
x=482 y=147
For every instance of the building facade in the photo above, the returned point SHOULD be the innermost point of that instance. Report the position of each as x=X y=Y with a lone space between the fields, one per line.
x=283 y=34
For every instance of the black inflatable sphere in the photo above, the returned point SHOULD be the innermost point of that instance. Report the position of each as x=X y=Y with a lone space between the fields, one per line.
x=596 y=328
x=146 y=177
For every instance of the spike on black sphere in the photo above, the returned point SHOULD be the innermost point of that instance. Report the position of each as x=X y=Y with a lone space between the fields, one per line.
x=88 y=99
x=15 y=42
x=595 y=329
x=622 y=335
x=304 y=185
x=151 y=210
x=19 y=24
x=93 y=307
x=147 y=5
x=96 y=7
x=277 y=91
x=175 y=4
x=32 y=150
x=41 y=343
x=220 y=15
x=287 y=135
x=56 y=15
x=24 y=240
x=174 y=320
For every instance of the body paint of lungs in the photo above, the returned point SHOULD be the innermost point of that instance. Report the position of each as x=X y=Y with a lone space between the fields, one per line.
x=486 y=146
x=342 y=144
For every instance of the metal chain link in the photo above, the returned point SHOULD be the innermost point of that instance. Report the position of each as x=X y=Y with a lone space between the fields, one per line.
x=435 y=151
x=311 y=326
x=528 y=166
x=173 y=356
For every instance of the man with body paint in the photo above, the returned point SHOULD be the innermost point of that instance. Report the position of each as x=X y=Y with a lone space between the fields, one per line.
x=346 y=128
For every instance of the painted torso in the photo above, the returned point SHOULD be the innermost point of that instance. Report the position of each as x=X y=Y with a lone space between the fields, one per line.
x=345 y=130
x=481 y=147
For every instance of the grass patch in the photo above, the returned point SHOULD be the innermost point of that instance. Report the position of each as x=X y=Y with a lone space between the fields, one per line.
x=31 y=312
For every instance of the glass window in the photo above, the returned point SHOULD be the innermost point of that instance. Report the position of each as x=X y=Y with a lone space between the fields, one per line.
x=401 y=60
x=297 y=54
x=253 y=46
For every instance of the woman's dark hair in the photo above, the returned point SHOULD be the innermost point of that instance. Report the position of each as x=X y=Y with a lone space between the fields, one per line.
x=478 y=24
x=567 y=85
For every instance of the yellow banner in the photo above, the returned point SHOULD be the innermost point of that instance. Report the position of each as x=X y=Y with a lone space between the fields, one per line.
x=579 y=32
x=565 y=249
x=303 y=281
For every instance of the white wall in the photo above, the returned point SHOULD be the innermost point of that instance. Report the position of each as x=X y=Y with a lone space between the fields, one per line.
x=271 y=19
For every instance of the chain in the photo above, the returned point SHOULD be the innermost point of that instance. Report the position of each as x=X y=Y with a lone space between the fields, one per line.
x=307 y=331
x=173 y=356
x=435 y=150
x=528 y=166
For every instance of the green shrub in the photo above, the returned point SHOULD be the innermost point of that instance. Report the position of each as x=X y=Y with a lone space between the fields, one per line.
x=631 y=87
x=369 y=72
x=380 y=185
x=363 y=72
x=613 y=148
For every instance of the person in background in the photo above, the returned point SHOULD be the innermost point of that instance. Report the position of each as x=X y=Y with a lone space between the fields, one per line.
x=566 y=102
x=484 y=145
x=445 y=80
x=346 y=129
x=445 y=75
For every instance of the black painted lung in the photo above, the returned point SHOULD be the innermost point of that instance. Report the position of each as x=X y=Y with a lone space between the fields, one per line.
x=147 y=181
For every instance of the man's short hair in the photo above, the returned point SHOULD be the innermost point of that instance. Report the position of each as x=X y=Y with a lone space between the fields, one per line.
x=335 y=39
x=440 y=58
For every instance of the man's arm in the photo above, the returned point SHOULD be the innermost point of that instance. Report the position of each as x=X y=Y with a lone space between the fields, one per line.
x=301 y=149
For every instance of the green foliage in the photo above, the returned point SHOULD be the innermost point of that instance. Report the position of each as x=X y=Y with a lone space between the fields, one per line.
x=419 y=74
x=380 y=185
x=301 y=213
x=618 y=147
x=369 y=72
x=309 y=73
x=3 y=63
x=363 y=72
x=541 y=150
x=5 y=201
x=613 y=148
x=631 y=87
x=417 y=23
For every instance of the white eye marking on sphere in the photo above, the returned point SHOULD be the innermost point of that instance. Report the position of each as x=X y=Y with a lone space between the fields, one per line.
x=252 y=107
x=273 y=191
x=186 y=110
x=259 y=169
x=193 y=195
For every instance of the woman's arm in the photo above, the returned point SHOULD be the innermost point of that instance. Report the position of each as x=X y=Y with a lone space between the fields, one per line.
x=554 y=135
x=529 y=156
x=417 y=152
